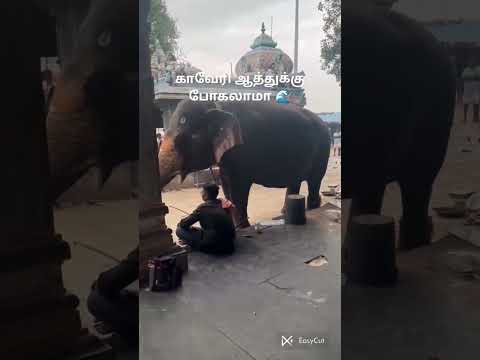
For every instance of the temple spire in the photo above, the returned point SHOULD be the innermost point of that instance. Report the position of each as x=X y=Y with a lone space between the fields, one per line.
x=263 y=39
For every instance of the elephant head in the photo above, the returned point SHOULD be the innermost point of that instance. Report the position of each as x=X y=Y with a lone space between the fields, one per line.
x=198 y=136
x=93 y=114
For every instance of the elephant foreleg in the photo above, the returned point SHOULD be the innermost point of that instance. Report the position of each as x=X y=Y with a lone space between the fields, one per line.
x=226 y=186
x=315 y=179
x=314 y=200
x=239 y=192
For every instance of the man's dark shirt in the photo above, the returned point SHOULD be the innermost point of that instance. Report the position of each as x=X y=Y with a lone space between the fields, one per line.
x=214 y=220
x=112 y=281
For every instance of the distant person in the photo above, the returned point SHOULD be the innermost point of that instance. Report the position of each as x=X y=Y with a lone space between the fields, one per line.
x=337 y=146
x=332 y=132
x=458 y=92
x=217 y=232
x=471 y=96
x=112 y=304
x=476 y=86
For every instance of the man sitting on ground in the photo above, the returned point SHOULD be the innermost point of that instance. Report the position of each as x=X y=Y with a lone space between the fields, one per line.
x=114 y=306
x=217 y=232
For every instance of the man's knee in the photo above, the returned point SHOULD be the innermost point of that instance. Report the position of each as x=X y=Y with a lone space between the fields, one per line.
x=181 y=232
x=96 y=304
x=92 y=300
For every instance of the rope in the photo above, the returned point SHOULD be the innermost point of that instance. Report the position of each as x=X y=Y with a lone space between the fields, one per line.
x=98 y=251
x=183 y=211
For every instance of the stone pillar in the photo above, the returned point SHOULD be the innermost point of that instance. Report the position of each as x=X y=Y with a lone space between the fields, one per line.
x=39 y=319
x=155 y=238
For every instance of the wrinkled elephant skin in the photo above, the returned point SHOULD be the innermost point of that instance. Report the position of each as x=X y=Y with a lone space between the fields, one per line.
x=93 y=115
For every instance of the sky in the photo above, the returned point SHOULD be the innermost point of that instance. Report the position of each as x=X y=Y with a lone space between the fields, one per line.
x=215 y=33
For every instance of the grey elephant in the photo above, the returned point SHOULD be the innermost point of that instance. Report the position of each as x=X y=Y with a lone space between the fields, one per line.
x=398 y=100
x=264 y=143
x=93 y=115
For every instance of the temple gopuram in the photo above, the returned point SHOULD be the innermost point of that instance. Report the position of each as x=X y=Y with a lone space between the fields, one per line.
x=264 y=58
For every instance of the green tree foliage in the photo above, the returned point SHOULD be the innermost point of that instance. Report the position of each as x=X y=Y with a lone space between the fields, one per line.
x=164 y=32
x=331 y=52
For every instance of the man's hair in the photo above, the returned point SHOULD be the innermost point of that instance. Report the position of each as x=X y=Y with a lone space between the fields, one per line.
x=211 y=190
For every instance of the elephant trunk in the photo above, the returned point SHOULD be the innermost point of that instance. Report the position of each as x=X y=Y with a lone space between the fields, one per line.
x=71 y=136
x=170 y=162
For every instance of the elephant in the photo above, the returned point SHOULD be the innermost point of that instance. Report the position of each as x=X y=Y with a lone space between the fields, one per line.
x=274 y=145
x=93 y=114
x=398 y=100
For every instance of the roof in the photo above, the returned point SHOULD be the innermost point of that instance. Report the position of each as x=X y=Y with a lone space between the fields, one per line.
x=263 y=40
x=331 y=117
x=456 y=31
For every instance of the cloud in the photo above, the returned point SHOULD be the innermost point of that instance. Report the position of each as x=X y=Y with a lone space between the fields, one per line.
x=215 y=33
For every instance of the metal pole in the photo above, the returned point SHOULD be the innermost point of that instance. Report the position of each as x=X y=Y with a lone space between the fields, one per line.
x=295 y=59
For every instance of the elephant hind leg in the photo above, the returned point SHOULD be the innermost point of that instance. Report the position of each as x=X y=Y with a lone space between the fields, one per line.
x=314 y=200
x=315 y=181
x=291 y=190
x=416 y=225
x=239 y=191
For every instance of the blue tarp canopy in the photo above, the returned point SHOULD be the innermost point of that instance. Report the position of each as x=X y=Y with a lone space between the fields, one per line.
x=331 y=117
x=457 y=32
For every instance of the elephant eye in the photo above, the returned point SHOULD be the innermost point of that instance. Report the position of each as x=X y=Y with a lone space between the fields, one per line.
x=183 y=120
x=105 y=38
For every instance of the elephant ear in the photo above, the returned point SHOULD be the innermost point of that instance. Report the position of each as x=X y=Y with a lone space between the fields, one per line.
x=225 y=132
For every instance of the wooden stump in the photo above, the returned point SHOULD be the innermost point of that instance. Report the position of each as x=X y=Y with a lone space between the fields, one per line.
x=295 y=212
x=371 y=250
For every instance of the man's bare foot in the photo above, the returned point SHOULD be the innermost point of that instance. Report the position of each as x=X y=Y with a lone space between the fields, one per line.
x=180 y=242
x=102 y=327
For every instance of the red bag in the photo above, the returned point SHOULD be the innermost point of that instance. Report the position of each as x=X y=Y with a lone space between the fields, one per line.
x=228 y=206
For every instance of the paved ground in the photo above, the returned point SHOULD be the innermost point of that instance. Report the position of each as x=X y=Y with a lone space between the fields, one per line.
x=238 y=307
x=433 y=311
x=110 y=227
